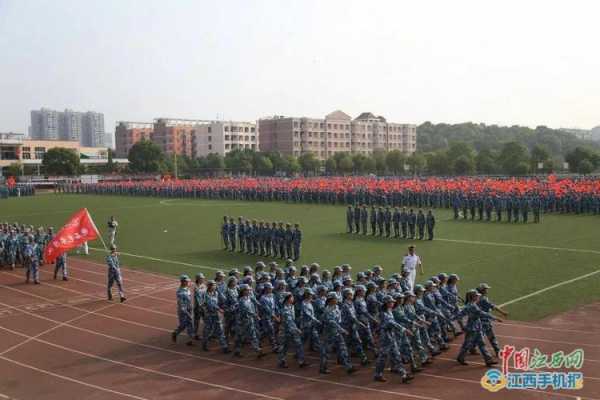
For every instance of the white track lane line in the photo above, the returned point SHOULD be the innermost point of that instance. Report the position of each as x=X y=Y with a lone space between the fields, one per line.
x=146 y=370
x=165 y=277
x=550 y=288
x=173 y=285
x=96 y=296
x=65 y=323
x=66 y=378
x=524 y=246
x=240 y=365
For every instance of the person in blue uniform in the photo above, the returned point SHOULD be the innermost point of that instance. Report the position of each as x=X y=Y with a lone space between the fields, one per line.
x=373 y=220
x=430 y=222
x=356 y=219
x=213 y=327
x=246 y=321
x=333 y=336
x=289 y=333
x=364 y=217
x=114 y=274
x=396 y=222
x=421 y=224
x=184 y=311
x=225 y=233
x=60 y=265
x=487 y=306
x=231 y=233
x=349 y=219
x=31 y=261
x=388 y=345
x=297 y=242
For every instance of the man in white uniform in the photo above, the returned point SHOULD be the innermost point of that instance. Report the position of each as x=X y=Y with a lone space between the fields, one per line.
x=112 y=230
x=410 y=263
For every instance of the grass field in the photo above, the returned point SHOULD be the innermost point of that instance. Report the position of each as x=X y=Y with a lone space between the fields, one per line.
x=515 y=259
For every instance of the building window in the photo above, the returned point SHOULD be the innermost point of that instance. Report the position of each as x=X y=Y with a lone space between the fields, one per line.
x=210 y=146
x=226 y=137
x=210 y=138
x=227 y=146
x=210 y=129
x=252 y=130
x=39 y=152
x=226 y=129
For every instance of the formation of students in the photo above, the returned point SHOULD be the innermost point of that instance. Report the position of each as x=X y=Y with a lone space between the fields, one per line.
x=539 y=195
x=267 y=239
x=14 y=190
x=371 y=318
x=405 y=224
x=23 y=245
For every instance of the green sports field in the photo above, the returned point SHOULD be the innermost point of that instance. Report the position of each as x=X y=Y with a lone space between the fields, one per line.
x=177 y=236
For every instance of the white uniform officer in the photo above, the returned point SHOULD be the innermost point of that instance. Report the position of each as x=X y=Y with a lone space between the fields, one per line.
x=410 y=263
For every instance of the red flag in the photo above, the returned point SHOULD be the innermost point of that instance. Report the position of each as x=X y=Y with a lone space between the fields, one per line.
x=79 y=229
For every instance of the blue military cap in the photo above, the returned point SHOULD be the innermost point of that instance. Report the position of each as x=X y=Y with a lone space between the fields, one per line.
x=360 y=288
x=419 y=288
x=429 y=284
x=331 y=295
x=199 y=275
x=453 y=277
x=247 y=268
x=408 y=293
x=360 y=275
x=184 y=277
x=337 y=284
x=442 y=276
x=309 y=291
x=211 y=282
x=347 y=291
x=371 y=285
x=387 y=299
x=377 y=268
x=483 y=286
x=268 y=285
x=398 y=296
x=244 y=286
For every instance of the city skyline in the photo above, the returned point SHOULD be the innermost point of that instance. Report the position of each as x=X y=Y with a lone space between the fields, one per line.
x=430 y=61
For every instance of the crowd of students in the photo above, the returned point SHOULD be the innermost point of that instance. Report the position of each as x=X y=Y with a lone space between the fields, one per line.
x=396 y=323
x=546 y=195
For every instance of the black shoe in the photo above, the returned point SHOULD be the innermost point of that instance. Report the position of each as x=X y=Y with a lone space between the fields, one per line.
x=205 y=347
x=414 y=370
x=473 y=352
x=489 y=363
x=406 y=379
x=436 y=353
x=238 y=354
x=379 y=379
x=226 y=351
x=260 y=354
x=283 y=365
x=304 y=364
x=351 y=370
x=364 y=362
x=196 y=337
x=109 y=298
x=65 y=278
x=190 y=343
x=123 y=299
x=462 y=361
x=36 y=282
x=324 y=371
x=174 y=337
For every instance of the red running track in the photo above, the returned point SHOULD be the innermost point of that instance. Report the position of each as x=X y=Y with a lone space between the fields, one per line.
x=65 y=340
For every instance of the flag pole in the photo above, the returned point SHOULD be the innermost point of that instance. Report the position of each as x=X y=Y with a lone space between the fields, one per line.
x=97 y=230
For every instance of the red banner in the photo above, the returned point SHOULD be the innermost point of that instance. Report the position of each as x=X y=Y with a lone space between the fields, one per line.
x=79 y=229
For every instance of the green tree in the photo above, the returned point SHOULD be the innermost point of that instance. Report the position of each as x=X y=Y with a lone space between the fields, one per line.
x=379 y=158
x=394 y=161
x=437 y=163
x=110 y=164
x=293 y=166
x=215 y=163
x=511 y=158
x=61 y=161
x=539 y=154
x=485 y=162
x=578 y=155
x=331 y=165
x=14 y=169
x=417 y=163
x=464 y=165
x=345 y=165
x=585 y=167
x=309 y=163
x=240 y=160
x=145 y=156
x=264 y=166
x=360 y=163
x=370 y=165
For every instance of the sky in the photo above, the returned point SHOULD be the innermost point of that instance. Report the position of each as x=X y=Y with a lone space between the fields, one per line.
x=525 y=62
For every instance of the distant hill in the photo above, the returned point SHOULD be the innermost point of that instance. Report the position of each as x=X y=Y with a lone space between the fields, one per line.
x=432 y=137
x=596 y=133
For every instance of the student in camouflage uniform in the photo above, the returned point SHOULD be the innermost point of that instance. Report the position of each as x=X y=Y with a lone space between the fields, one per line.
x=388 y=346
x=213 y=326
x=246 y=319
x=486 y=323
x=184 y=311
x=289 y=333
x=333 y=336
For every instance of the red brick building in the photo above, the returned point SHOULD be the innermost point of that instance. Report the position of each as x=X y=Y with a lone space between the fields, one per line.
x=129 y=133
x=175 y=136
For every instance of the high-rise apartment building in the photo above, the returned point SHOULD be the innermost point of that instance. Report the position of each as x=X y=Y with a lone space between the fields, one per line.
x=87 y=128
x=128 y=133
x=70 y=125
x=44 y=124
x=92 y=129
x=335 y=133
